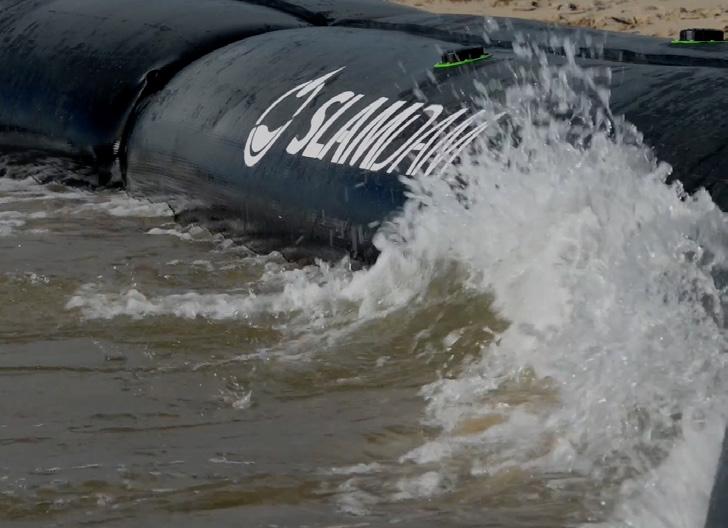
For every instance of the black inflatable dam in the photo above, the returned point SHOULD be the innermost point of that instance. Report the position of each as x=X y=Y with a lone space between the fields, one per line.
x=300 y=118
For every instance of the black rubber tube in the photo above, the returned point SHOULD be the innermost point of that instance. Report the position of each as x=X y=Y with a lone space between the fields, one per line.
x=72 y=70
x=180 y=91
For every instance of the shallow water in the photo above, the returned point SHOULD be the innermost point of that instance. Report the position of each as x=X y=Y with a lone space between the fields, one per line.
x=550 y=355
x=150 y=370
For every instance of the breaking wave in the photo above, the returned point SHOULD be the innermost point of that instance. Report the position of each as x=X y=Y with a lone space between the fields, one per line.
x=608 y=379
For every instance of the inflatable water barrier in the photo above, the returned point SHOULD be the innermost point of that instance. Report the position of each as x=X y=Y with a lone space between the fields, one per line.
x=301 y=117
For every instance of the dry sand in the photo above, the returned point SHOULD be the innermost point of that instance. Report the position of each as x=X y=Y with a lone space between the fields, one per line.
x=662 y=18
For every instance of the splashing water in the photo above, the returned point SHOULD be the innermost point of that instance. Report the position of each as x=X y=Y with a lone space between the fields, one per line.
x=611 y=282
x=605 y=380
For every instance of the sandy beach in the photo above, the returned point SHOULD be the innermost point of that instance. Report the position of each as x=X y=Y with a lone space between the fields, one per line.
x=662 y=18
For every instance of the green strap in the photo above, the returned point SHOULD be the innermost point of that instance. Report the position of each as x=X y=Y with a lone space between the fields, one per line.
x=446 y=65
x=697 y=42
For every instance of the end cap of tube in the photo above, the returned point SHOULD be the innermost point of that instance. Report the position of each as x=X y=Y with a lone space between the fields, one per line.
x=702 y=35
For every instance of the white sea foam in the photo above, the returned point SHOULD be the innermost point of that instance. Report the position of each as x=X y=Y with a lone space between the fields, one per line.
x=56 y=201
x=133 y=303
x=676 y=493
x=11 y=221
x=316 y=292
x=122 y=205
x=189 y=233
x=18 y=191
x=610 y=281
x=357 y=469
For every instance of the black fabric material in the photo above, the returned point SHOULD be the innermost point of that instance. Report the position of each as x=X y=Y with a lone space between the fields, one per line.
x=190 y=138
x=73 y=70
x=185 y=80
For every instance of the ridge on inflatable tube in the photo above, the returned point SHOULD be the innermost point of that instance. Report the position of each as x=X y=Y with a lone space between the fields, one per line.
x=299 y=117
x=73 y=70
